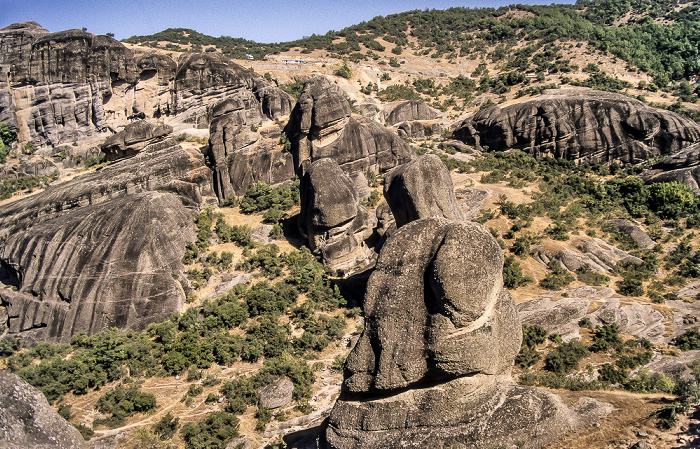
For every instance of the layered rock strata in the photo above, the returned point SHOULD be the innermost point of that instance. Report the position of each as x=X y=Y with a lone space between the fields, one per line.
x=581 y=125
x=133 y=138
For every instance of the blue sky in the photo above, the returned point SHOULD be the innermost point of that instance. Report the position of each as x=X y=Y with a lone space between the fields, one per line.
x=261 y=21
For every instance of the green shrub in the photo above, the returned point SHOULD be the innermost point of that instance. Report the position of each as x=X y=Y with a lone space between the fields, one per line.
x=513 y=274
x=122 y=402
x=344 y=71
x=586 y=275
x=557 y=278
x=565 y=358
x=214 y=432
x=689 y=340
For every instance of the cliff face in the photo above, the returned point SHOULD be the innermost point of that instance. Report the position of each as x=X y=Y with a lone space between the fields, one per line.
x=581 y=125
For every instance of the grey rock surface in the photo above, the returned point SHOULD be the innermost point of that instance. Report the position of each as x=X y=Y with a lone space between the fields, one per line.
x=133 y=138
x=435 y=308
x=634 y=232
x=581 y=125
x=419 y=129
x=682 y=167
x=596 y=254
x=331 y=218
x=421 y=188
x=409 y=111
x=27 y=420
x=277 y=394
x=321 y=126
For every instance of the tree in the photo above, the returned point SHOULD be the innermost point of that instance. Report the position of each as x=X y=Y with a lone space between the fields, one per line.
x=344 y=71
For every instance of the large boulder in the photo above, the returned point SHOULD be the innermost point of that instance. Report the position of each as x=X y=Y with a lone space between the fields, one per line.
x=581 y=125
x=409 y=111
x=152 y=64
x=421 y=188
x=634 y=232
x=321 y=126
x=27 y=420
x=207 y=78
x=331 y=218
x=133 y=138
x=277 y=394
x=432 y=365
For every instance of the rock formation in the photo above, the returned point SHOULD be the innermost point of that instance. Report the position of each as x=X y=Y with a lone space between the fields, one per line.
x=207 y=78
x=277 y=394
x=421 y=188
x=595 y=254
x=409 y=111
x=331 y=218
x=321 y=126
x=581 y=125
x=135 y=137
x=27 y=420
x=634 y=232
x=241 y=153
x=682 y=167
x=432 y=365
x=69 y=249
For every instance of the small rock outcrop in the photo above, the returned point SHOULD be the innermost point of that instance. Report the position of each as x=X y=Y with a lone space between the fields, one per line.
x=135 y=137
x=596 y=254
x=331 y=218
x=421 y=188
x=581 y=125
x=27 y=420
x=638 y=236
x=321 y=126
x=277 y=394
x=432 y=365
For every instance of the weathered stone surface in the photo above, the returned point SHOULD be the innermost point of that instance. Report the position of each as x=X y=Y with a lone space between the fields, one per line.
x=472 y=200
x=560 y=316
x=421 y=188
x=409 y=111
x=431 y=368
x=104 y=265
x=581 y=125
x=638 y=319
x=27 y=420
x=163 y=166
x=595 y=253
x=28 y=166
x=435 y=308
x=133 y=138
x=16 y=46
x=242 y=442
x=634 y=232
x=321 y=126
x=151 y=64
x=277 y=394
x=479 y=411
x=208 y=78
x=419 y=130
x=331 y=218
x=241 y=156
x=682 y=167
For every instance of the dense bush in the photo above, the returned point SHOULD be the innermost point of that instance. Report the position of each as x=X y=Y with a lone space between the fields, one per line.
x=565 y=358
x=122 y=402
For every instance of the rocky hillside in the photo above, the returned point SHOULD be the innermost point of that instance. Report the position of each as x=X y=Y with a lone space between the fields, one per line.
x=408 y=231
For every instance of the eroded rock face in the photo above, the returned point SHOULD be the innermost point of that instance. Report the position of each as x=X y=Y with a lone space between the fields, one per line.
x=435 y=308
x=135 y=137
x=409 y=111
x=682 y=167
x=321 y=126
x=103 y=249
x=596 y=254
x=27 y=420
x=277 y=394
x=431 y=368
x=99 y=266
x=151 y=64
x=638 y=236
x=581 y=125
x=240 y=155
x=208 y=78
x=331 y=218
x=421 y=188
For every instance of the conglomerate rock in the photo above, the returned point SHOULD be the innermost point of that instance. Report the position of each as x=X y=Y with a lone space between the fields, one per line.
x=331 y=218
x=321 y=126
x=431 y=368
x=421 y=188
x=581 y=125
x=27 y=420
